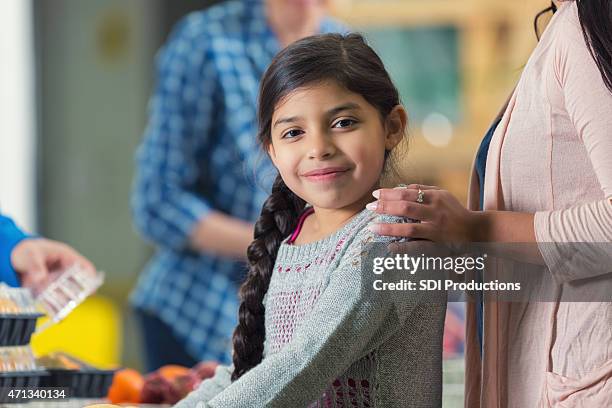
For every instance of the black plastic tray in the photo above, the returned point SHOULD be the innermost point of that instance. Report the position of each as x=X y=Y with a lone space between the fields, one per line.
x=19 y=379
x=84 y=383
x=16 y=330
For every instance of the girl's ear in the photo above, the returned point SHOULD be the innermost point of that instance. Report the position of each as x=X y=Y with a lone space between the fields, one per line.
x=396 y=123
x=272 y=154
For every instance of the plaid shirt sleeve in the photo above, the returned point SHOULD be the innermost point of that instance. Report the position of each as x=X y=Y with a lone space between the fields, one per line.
x=164 y=203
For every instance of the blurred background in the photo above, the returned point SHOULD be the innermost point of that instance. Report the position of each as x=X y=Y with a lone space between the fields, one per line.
x=75 y=78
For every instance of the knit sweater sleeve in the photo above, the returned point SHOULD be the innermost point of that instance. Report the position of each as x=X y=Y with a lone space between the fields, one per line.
x=345 y=323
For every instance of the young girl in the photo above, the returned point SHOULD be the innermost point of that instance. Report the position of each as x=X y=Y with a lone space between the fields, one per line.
x=309 y=334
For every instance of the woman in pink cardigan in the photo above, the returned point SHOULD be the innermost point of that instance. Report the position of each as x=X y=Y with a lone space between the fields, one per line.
x=548 y=179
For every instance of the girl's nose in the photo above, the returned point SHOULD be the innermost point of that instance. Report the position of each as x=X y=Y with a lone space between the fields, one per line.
x=321 y=147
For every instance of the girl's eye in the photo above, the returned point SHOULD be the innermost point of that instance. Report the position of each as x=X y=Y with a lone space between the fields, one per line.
x=292 y=134
x=344 y=123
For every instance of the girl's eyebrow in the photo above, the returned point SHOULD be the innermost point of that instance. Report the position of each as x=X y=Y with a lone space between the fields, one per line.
x=331 y=112
x=343 y=107
x=286 y=120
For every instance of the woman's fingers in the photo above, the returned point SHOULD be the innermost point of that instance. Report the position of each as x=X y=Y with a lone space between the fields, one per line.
x=406 y=194
x=403 y=208
x=398 y=194
x=422 y=187
x=444 y=218
x=410 y=230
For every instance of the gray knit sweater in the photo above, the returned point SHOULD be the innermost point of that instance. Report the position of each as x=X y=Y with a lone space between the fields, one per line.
x=329 y=343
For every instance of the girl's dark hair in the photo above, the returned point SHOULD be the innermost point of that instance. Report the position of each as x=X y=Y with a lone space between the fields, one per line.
x=596 y=23
x=349 y=62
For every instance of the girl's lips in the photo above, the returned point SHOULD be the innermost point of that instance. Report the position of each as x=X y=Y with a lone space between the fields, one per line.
x=325 y=174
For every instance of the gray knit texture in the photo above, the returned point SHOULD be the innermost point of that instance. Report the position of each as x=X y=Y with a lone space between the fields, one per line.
x=329 y=343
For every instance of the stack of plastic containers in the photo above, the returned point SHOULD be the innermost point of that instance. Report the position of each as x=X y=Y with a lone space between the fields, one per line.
x=18 y=314
x=81 y=379
x=19 y=311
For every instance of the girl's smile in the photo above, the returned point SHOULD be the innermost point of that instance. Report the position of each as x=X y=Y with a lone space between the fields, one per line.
x=329 y=144
x=326 y=174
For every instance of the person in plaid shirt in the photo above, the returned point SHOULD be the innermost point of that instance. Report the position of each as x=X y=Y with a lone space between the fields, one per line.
x=200 y=177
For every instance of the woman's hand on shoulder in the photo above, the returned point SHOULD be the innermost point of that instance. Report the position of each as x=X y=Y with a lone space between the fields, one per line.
x=442 y=217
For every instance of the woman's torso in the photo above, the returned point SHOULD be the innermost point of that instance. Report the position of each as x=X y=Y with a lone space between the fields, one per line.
x=543 y=165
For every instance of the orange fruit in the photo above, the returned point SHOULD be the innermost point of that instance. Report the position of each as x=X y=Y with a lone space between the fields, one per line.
x=170 y=372
x=126 y=387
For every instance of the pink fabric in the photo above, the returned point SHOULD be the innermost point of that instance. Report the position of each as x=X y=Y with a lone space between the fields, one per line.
x=298 y=229
x=551 y=155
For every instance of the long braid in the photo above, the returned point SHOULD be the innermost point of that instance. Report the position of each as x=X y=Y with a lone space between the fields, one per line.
x=277 y=220
x=360 y=71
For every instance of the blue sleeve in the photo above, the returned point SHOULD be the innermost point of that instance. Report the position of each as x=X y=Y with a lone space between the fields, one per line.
x=164 y=203
x=10 y=236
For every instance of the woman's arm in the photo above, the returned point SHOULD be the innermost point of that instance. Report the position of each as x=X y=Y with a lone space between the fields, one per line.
x=588 y=104
x=446 y=220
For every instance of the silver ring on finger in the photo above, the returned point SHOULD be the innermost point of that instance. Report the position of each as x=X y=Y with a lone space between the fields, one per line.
x=420 y=197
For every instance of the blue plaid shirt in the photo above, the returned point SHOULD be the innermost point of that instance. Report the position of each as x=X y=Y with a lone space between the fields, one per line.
x=200 y=153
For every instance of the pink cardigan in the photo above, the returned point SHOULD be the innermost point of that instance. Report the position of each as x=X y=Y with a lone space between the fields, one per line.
x=551 y=155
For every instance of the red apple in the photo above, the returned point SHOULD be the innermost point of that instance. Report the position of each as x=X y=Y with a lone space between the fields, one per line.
x=205 y=369
x=186 y=383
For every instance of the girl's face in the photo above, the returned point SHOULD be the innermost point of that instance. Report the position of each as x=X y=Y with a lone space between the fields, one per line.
x=329 y=144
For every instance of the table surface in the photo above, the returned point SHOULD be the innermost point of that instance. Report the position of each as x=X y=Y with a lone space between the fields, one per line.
x=74 y=403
